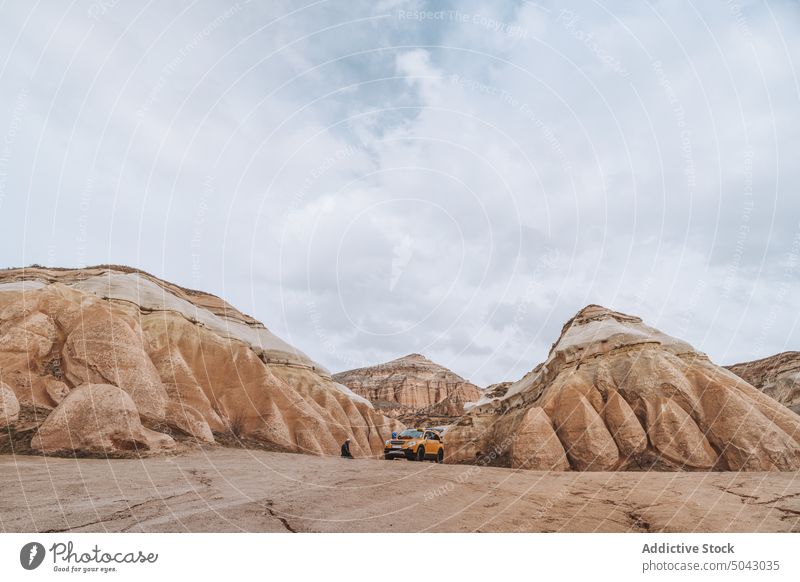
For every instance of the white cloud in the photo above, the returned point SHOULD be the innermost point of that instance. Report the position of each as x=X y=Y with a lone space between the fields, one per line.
x=371 y=185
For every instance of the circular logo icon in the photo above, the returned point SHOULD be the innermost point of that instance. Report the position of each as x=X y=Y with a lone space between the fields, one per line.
x=31 y=555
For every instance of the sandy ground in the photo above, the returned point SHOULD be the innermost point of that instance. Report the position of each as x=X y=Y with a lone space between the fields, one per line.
x=221 y=489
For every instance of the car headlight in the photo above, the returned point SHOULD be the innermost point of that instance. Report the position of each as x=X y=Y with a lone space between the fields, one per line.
x=387 y=443
x=412 y=443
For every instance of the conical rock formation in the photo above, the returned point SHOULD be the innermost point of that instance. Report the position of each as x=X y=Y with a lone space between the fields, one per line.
x=620 y=395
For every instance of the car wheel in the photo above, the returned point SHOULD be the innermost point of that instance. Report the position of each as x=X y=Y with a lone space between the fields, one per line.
x=421 y=454
x=440 y=456
x=387 y=457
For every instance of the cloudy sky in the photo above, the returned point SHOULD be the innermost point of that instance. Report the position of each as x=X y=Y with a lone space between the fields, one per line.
x=377 y=178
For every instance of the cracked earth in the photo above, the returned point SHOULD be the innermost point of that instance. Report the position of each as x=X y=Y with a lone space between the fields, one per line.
x=217 y=489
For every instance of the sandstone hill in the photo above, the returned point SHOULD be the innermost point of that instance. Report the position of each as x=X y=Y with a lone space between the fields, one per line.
x=615 y=394
x=777 y=376
x=111 y=360
x=412 y=388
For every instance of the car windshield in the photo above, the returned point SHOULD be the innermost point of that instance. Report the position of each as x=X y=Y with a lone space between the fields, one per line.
x=411 y=434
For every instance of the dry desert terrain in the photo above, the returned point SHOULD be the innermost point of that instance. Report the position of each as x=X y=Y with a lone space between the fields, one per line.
x=218 y=489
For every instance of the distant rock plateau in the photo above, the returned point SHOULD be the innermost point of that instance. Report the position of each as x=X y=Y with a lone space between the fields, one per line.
x=777 y=376
x=412 y=388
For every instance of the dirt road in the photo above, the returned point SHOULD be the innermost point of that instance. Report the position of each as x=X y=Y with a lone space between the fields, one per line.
x=221 y=489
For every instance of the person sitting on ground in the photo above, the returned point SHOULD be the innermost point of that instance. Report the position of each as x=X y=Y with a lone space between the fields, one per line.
x=346 y=449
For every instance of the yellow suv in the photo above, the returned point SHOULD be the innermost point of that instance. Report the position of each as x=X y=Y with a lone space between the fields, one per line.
x=415 y=444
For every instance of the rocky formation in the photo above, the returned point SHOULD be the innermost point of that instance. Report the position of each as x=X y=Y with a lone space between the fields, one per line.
x=98 y=418
x=615 y=394
x=412 y=388
x=497 y=390
x=9 y=407
x=777 y=376
x=452 y=405
x=188 y=364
